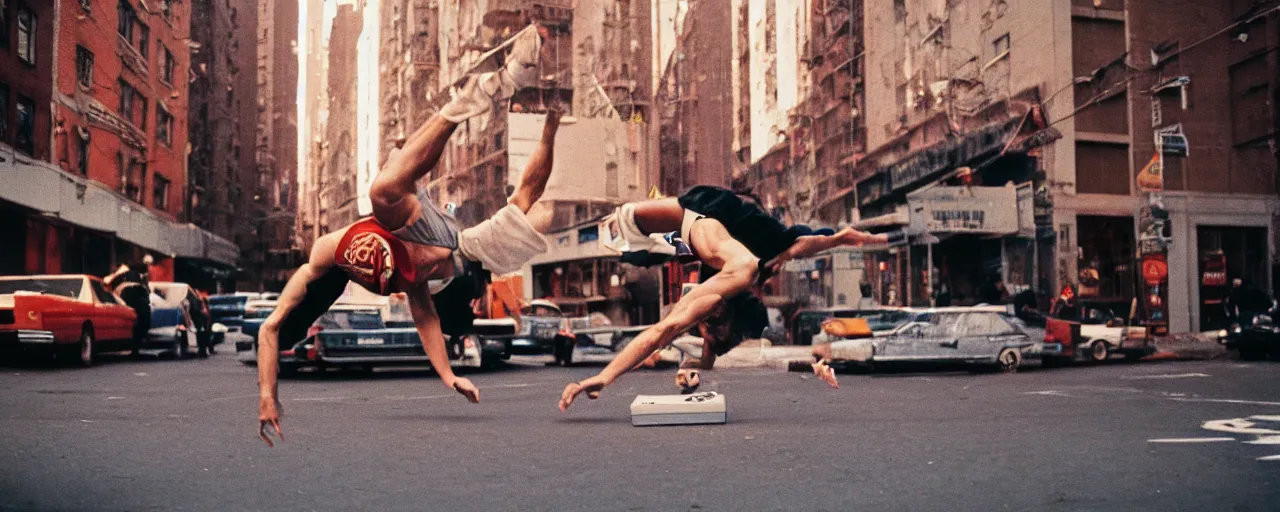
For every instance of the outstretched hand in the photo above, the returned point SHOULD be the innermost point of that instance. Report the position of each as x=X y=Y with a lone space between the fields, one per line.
x=826 y=373
x=464 y=387
x=591 y=387
x=269 y=416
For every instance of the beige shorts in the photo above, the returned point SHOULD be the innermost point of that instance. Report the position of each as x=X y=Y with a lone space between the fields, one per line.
x=502 y=243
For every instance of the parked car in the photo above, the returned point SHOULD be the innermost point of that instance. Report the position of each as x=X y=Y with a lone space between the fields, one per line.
x=246 y=339
x=228 y=309
x=544 y=329
x=356 y=337
x=73 y=316
x=176 y=320
x=172 y=330
x=881 y=322
x=984 y=335
x=1254 y=334
x=1101 y=331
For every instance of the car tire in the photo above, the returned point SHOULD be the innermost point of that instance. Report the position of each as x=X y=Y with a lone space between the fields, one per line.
x=455 y=347
x=1133 y=357
x=84 y=348
x=1009 y=360
x=1099 y=351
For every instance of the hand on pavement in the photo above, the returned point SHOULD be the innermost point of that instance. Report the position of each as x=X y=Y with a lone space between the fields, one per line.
x=269 y=416
x=826 y=373
x=591 y=386
x=466 y=388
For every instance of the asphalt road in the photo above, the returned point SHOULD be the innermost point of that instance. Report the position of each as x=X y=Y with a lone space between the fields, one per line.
x=180 y=435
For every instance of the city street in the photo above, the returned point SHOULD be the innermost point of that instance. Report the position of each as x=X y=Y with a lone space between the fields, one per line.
x=180 y=435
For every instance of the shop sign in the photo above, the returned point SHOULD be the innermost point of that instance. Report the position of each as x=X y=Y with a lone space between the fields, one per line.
x=986 y=210
x=1026 y=211
x=1151 y=177
x=949 y=154
x=848 y=260
x=801 y=265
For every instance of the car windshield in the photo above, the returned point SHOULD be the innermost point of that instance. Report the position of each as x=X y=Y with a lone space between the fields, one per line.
x=886 y=320
x=260 y=312
x=351 y=320
x=227 y=302
x=66 y=287
x=539 y=311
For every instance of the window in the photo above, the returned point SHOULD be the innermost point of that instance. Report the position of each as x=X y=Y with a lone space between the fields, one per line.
x=126 y=16
x=4 y=108
x=144 y=34
x=27 y=36
x=84 y=66
x=164 y=125
x=4 y=23
x=160 y=201
x=166 y=64
x=101 y=293
x=127 y=94
x=142 y=109
x=82 y=164
x=26 y=126
x=1000 y=45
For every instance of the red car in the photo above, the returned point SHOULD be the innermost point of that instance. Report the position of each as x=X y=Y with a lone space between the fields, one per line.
x=71 y=315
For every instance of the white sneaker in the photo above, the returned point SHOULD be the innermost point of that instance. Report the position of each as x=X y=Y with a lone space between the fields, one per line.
x=523 y=60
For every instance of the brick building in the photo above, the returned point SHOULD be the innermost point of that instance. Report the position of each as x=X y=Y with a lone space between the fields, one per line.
x=276 y=144
x=99 y=164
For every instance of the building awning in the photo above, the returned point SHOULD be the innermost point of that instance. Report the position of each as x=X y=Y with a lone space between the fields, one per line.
x=87 y=204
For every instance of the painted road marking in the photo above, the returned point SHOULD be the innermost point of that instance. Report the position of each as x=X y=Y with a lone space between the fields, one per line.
x=1166 y=376
x=320 y=399
x=1270 y=458
x=1192 y=440
x=1265 y=440
x=1051 y=392
x=1225 y=401
x=1237 y=426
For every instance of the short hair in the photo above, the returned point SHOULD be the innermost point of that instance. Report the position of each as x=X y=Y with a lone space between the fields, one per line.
x=747 y=318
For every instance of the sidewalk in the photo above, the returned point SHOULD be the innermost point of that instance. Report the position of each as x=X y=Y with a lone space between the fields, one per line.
x=1194 y=346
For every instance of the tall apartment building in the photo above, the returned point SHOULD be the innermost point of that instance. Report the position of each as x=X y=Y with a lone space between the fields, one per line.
x=222 y=77
x=94 y=101
x=336 y=183
x=276 y=146
x=696 y=101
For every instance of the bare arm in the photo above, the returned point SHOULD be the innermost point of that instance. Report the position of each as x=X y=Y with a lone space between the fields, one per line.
x=428 y=325
x=286 y=312
x=695 y=306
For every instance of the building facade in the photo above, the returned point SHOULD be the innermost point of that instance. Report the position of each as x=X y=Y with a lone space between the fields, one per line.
x=1136 y=104
x=276 y=144
x=95 y=105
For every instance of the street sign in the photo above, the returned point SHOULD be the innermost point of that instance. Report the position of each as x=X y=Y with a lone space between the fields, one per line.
x=1151 y=177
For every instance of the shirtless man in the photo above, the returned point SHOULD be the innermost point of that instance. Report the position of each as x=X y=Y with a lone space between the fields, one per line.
x=738 y=243
x=411 y=245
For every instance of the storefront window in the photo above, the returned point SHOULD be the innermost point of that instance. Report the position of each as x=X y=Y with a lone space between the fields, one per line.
x=1106 y=262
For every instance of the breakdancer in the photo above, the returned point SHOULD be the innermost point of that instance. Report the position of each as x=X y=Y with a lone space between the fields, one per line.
x=411 y=245
x=738 y=242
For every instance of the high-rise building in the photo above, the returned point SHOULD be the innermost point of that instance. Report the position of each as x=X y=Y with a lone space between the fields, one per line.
x=276 y=147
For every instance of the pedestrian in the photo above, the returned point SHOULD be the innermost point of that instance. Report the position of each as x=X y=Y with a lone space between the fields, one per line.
x=132 y=284
x=738 y=245
x=411 y=245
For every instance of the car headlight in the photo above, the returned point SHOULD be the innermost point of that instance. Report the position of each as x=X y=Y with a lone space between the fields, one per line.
x=1235 y=328
x=1222 y=334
